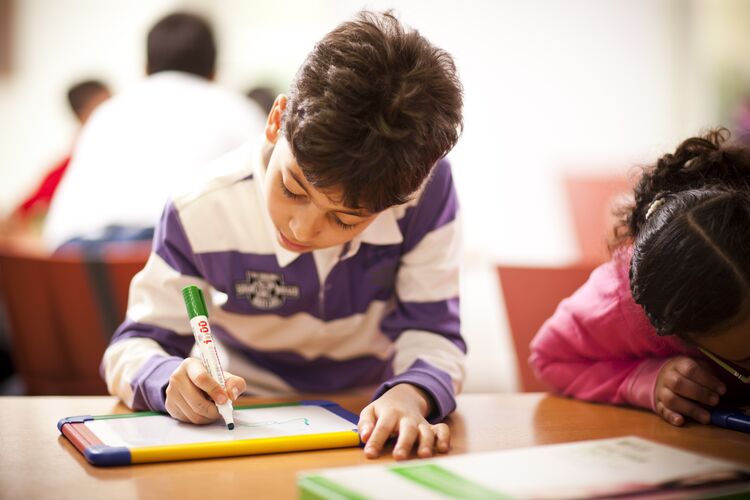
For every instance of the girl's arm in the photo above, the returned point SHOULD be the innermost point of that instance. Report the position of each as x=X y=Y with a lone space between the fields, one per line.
x=599 y=346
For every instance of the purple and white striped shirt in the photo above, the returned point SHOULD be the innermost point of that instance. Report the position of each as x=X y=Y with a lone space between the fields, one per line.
x=381 y=309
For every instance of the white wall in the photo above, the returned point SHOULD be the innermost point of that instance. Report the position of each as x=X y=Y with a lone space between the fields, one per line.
x=550 y=86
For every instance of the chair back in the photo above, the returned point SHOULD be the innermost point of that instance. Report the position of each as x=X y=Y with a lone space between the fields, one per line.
x=592 y=202
x=62 y=311
x=531 y=295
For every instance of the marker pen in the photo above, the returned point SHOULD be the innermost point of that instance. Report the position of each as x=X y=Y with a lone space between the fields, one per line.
x=198 y=314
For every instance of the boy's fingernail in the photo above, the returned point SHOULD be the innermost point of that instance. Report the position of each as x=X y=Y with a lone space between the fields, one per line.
x=713 y=399
x=221 y=399
x=722 y=389
x=235 y=393
x=364 y=430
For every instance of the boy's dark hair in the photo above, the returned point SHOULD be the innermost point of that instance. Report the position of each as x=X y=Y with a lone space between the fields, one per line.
x=181 y=42
x=690 y=229
x=80 y=94
x=371 y=110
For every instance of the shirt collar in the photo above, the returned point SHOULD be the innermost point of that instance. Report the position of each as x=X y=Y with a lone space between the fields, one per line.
x=384 y=230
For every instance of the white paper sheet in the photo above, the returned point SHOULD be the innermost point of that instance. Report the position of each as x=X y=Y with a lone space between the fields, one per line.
x=600 y=468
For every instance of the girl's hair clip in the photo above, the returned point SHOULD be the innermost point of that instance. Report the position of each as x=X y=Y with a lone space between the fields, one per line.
x=654 y=206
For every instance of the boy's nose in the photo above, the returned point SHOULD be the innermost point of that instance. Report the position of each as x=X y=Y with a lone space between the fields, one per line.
x=305 y=227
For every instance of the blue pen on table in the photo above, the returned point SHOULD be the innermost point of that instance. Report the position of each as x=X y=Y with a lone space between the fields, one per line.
x=198 y=314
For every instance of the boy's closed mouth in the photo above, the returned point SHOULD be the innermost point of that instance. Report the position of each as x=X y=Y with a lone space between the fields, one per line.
x=291 y=245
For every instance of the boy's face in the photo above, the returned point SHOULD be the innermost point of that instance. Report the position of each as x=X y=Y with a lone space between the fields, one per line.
x=305 y=218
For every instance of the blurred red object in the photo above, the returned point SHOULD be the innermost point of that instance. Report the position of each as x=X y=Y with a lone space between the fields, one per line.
x=592 y=201
x=531 y=295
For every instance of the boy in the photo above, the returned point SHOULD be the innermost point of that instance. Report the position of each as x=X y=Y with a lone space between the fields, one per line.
x=329 y=251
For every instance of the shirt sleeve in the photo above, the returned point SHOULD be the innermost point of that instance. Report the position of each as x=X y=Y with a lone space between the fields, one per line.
x=424 y=324
x=598 y=345
x=156 y=337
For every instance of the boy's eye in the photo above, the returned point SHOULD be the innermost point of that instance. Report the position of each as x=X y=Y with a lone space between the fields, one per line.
x=289 y=194
x=342 y=225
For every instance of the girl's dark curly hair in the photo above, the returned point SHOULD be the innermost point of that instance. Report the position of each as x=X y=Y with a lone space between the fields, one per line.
x=690 y=230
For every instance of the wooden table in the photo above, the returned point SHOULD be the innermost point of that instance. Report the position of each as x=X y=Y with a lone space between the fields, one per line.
x=37 y=462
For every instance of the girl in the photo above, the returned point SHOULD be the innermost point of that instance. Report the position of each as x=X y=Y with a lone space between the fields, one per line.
x=665 y=324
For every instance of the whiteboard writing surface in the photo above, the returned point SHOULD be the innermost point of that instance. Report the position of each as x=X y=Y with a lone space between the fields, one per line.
x=251 y=423
x=147 y=437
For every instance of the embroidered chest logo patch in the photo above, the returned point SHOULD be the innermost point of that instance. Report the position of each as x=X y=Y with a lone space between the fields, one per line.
x=265 y=290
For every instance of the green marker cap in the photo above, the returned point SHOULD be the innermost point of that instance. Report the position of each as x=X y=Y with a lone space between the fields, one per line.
x=194 y=301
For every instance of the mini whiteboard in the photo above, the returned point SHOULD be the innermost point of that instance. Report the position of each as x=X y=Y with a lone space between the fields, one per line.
x=153 y=437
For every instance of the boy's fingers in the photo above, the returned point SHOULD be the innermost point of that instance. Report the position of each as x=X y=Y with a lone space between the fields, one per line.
x=205 y=382
x=366 y=423
x=407 y=435
x=380 y=434
x=190 y=415
x=685 y=407
x=694 y=371
x=176 y=413
x=668 y=415
x=426 y=440
x=443 y=434
x=172 y=408
x=235 y=385
x=685 y=387
x=198 y=403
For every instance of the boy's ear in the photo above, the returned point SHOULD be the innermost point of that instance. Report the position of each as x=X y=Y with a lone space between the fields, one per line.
x=273 y=123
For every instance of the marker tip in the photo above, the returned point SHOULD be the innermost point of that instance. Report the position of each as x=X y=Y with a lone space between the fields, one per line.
x=230 y=426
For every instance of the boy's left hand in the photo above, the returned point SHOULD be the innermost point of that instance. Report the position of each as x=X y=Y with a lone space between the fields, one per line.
x=401 y=411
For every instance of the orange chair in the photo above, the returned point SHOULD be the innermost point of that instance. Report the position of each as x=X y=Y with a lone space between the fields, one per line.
x=62 y=311
x=592 y=201
x=531 y=295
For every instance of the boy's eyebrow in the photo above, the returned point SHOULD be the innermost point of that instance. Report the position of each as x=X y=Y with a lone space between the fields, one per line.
x=342 y=211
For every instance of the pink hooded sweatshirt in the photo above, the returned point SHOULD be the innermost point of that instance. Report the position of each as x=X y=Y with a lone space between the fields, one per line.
x=599 y=345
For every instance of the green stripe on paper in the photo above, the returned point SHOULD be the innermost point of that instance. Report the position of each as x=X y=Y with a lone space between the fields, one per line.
x=445 y=482
x=320 y=488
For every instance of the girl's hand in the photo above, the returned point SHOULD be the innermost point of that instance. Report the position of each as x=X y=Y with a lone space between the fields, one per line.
x=682 y=387
x=401 y=411
x=191 y=392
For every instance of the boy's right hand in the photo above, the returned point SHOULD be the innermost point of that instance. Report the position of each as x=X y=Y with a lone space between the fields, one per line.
x=191 y=392
x=682 y=387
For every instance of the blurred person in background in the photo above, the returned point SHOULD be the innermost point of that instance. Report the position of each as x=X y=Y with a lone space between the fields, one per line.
x=26 y=220
x=143 y=142
x=263 y=96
